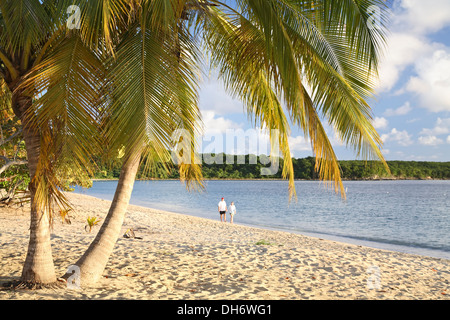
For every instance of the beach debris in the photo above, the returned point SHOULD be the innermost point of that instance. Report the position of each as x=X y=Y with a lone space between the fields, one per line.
x=91 y=222
x=131 y=275
x=130 y=234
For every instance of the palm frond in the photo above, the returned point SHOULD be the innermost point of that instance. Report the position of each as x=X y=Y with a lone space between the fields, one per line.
x=25 y=25
x=66 y=86
x=154 y=86
x=291 y=44
x=102 y=21
x=239 y=53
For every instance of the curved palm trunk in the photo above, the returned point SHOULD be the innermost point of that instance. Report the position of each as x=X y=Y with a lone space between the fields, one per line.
x=38 y=267
x=94 y=260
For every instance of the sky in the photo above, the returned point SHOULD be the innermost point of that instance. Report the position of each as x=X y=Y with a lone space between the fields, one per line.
x=411 y=108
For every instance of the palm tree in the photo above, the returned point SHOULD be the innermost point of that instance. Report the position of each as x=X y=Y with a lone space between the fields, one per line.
x=32 y=32
x=153 y=92
x=57 y=81
x=268 y=53
x=314 y=59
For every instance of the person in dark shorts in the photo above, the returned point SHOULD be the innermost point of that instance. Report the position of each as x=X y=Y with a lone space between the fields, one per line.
x=222 y=210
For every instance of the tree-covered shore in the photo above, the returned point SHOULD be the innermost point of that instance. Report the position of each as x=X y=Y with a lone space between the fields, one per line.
x=15 y=178
x=303 y=169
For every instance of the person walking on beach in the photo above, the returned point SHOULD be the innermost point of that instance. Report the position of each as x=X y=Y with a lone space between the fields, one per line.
x=222 y=210
x=232 y=211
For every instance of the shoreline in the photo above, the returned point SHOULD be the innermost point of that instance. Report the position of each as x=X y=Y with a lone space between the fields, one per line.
x=401 y=248
x=398 y=246
x=185 y=257
x=426 y=252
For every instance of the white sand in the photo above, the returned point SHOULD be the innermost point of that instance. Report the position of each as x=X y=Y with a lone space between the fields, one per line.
x=185 y=257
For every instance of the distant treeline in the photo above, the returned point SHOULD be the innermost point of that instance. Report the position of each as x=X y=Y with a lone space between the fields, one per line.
x=303 y=169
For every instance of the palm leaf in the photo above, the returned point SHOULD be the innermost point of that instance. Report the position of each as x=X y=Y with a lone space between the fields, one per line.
x=153 y=88
x=286 y=45
x=26 y=24
x=65 y=111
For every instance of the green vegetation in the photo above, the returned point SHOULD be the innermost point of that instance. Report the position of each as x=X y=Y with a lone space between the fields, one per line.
x=264 y=243
x=91 y=223
x=14 y=177
x=303 y=169
x=14 y=171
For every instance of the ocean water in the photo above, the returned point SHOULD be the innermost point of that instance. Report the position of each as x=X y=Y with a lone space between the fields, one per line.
x=406 y=216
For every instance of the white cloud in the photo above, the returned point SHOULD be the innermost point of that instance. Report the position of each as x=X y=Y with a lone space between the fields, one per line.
x=430 y=140
x=402 y=50
x=400 y=111
x=412 y=120
x=403 y=138
x=299 y=143
x=413 y=157
x=380 y=123
x=429 y=137
x=224 y=135
x=442 y=127
x=432 y=83
x=217 y=125
x=408 y=43
x=214 y=97
x=420 y=17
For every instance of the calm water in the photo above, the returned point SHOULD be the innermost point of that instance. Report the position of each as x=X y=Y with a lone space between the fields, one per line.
x=407 y=216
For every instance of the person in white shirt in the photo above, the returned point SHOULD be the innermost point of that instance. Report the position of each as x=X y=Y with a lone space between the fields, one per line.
x=232 y=211
x=223 y=210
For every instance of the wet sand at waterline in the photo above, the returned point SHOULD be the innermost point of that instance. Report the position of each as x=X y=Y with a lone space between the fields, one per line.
x=186 y=257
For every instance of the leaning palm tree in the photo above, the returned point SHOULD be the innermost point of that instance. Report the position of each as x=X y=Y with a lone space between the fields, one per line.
x=317 y=59
x=76 y=93
x=152 y=93
x=58 y=84
x=268 y=53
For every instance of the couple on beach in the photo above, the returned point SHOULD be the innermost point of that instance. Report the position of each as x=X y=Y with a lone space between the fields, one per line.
x=223 y=210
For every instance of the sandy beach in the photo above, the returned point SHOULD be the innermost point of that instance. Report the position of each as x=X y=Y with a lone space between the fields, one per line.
x=185 y=257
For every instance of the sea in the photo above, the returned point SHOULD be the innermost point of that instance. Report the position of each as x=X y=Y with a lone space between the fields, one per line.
x=411 y=216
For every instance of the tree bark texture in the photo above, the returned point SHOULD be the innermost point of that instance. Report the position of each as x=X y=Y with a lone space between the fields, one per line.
x=93 y=262
x=38 y=267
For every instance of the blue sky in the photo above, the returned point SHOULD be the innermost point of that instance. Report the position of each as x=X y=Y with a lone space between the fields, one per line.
x=412 y=106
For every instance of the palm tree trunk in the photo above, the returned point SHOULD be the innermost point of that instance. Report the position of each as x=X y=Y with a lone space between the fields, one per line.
x=38 y=267
x=93 y=262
